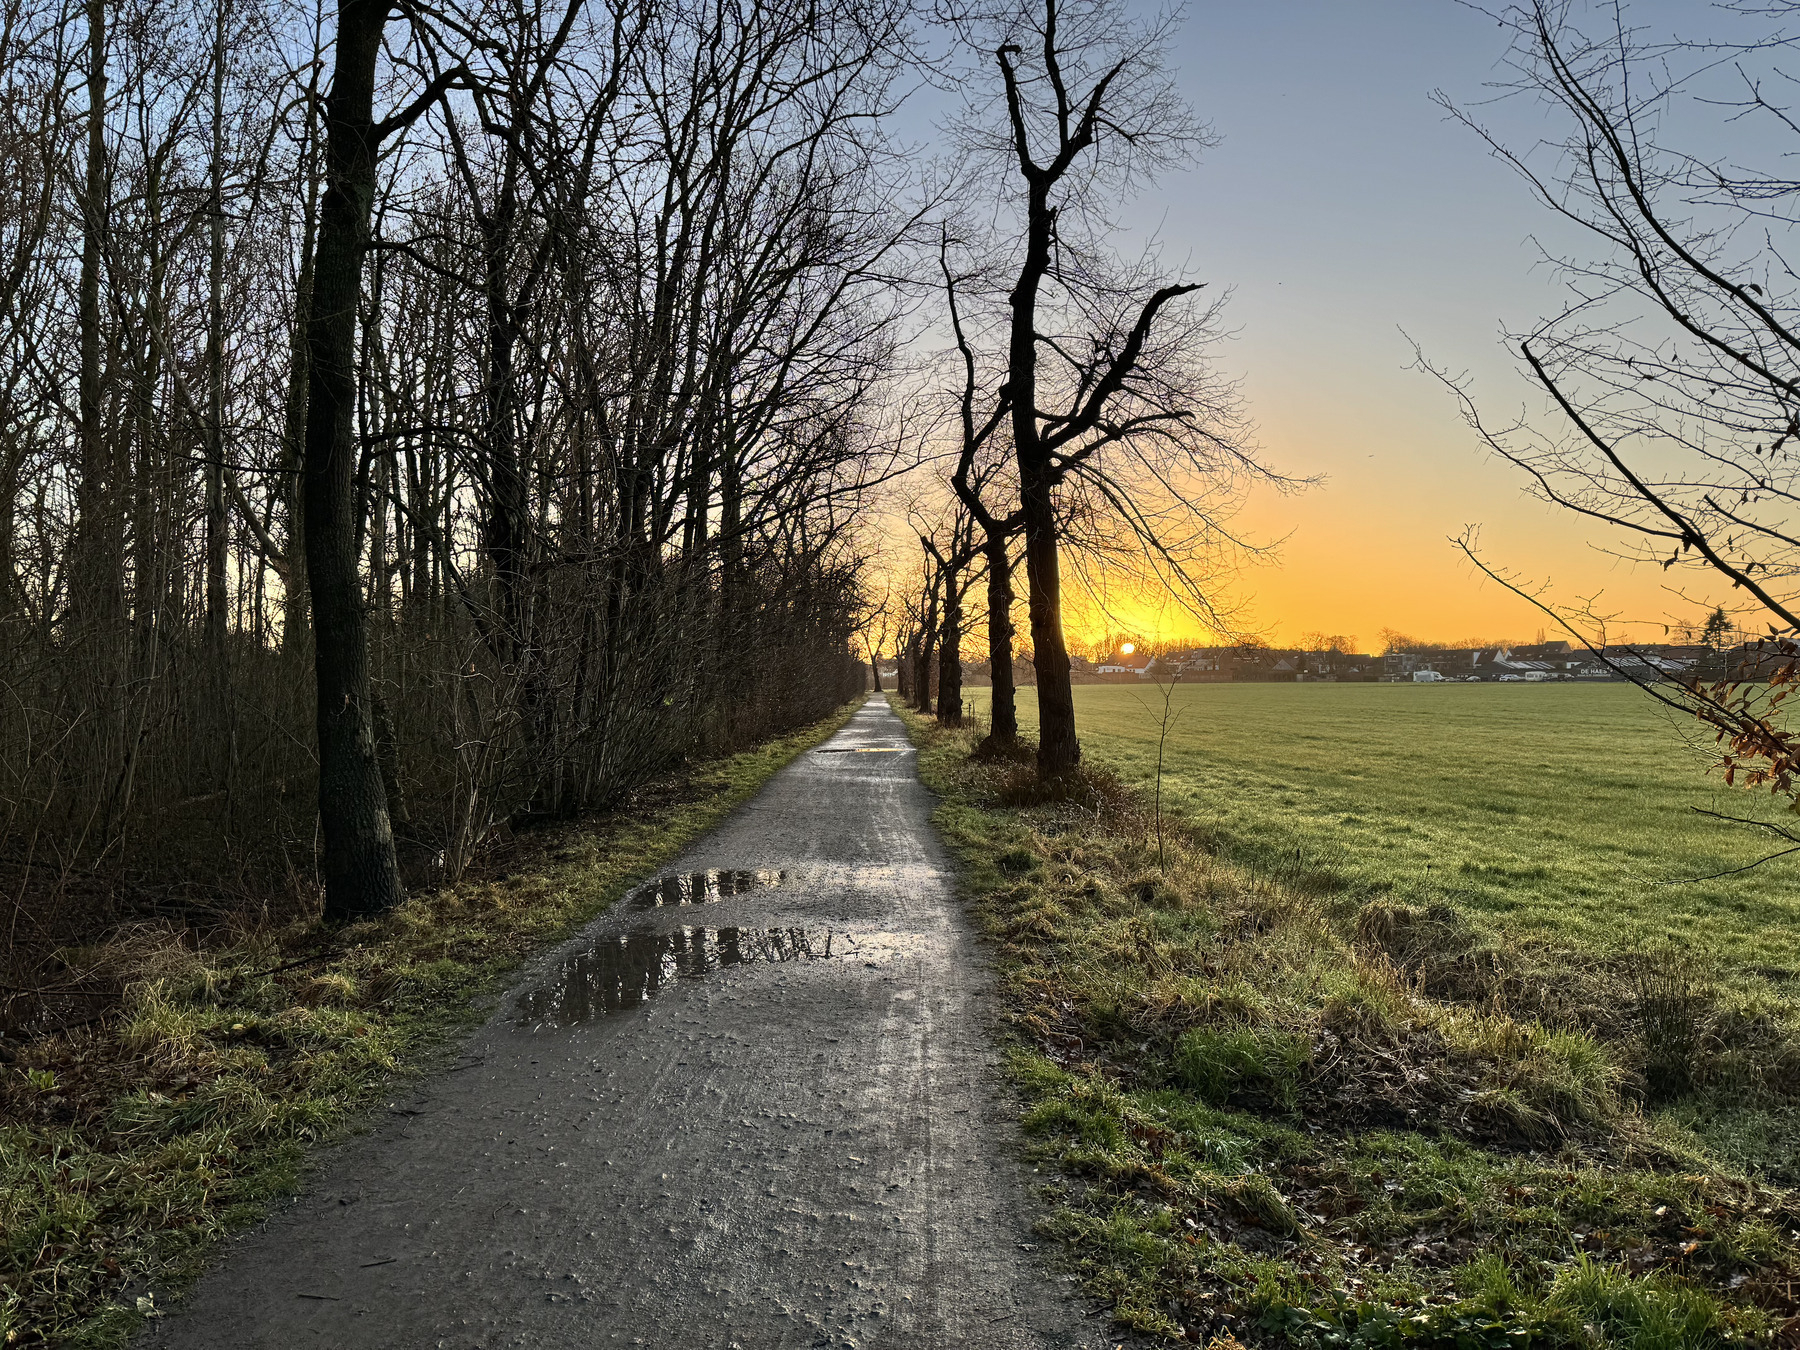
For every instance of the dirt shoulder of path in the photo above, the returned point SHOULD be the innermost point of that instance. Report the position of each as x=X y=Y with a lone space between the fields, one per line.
x=128 y=1146
x=1283 y=1116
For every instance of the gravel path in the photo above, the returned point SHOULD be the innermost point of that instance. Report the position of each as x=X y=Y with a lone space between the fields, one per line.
x=753 y=1106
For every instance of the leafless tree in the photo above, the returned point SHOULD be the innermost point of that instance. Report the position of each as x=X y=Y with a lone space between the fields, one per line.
x=1121 y=435
x=1671 y=378
x=525 y=373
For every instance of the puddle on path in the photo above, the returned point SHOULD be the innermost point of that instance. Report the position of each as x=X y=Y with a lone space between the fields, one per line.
x=622 y=971
x=701 y=888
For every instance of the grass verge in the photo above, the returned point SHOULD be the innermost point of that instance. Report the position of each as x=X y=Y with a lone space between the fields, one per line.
x=127 y=1147
x=1285 y=1110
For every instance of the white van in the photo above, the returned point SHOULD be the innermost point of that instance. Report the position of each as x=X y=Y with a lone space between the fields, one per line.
x=1427 y=677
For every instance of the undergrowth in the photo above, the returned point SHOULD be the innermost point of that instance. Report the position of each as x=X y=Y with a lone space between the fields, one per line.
x=1277 y=1113
x=128 y=1146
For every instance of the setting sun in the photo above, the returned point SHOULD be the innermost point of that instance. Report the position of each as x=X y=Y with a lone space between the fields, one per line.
x=1128 y=648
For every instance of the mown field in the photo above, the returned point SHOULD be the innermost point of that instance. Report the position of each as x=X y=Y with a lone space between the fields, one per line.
x=1562 y=809
x=1394 y=1036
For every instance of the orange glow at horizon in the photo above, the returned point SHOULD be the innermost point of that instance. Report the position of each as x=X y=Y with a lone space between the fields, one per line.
x=1370 y=548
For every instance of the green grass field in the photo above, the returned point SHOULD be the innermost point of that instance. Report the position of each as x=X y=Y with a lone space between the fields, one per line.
x=1559 y=809
x=1281 y=1090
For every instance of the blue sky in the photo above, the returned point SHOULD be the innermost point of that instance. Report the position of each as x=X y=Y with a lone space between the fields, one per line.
x=1341 y=208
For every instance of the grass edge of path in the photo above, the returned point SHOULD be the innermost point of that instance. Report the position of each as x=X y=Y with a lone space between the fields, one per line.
x=1194 y=1188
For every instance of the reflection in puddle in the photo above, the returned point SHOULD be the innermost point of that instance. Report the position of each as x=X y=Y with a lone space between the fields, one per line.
x=624 y=970
x=700 y=888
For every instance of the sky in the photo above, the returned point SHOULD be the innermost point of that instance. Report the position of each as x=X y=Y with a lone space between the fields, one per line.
x=1347 y=214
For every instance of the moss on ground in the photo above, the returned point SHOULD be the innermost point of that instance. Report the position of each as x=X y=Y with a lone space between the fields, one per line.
x=1277 y=1111
x=129 y=1146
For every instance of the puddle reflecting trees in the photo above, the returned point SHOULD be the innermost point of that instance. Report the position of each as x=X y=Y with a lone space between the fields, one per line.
x=701 y=888
x=622 y=971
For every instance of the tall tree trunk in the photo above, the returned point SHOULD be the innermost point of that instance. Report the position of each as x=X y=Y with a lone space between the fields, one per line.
x=215 y=365
x=1058 y=749
x=927 y=649
x=950 y=699
x=150 y=562
x=362 y=875
x=1005 y=708
x=295 y=623
x=874 y=660
x=96 y=586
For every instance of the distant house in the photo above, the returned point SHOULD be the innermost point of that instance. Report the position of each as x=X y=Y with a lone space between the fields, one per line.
x=1122 y=667
x=1337 y=667
x=1451 y=663
x=1755 y=662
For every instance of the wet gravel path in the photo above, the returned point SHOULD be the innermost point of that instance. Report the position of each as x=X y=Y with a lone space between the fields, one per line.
x=754 y=1106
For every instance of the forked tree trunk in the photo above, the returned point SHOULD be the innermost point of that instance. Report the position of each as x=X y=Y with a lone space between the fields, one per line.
x=362 y=875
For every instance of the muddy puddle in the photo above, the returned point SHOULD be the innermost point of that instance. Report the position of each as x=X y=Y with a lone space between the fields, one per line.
x=622 y=971
x=701 y=888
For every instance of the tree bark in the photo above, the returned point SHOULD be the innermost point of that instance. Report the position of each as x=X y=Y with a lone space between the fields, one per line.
x=215 y=364
x=361 y=872
x=927 y=649
x=95 y=590
x=295 y=605
x=1005 y=708
x=1058 y=749
x=950 y=699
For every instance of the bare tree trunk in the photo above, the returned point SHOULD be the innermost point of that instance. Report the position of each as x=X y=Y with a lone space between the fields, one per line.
x=1005 y=709
x=295 y=624
x=94 y=589
x=927 y=649
x=1058 y=749
x=950 y=699
x=215 y=365
x=361 y=872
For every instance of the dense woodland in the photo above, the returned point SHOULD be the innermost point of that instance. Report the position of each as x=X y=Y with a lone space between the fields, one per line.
x=616 y=354
x=423 y=422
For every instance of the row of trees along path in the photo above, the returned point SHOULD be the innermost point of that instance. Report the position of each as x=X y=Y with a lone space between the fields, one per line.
x=1087 y=423
x=478 y=411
